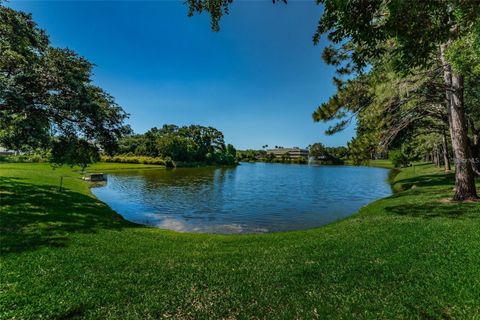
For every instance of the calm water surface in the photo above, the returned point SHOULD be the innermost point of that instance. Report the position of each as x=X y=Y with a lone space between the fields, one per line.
x=250 y=198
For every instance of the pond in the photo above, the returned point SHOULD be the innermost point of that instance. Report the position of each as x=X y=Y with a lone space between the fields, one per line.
x=249 y=198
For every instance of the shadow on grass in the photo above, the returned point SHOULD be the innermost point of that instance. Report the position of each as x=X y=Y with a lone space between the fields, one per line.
x=438 y=210
x=34 y=216
x=429 y=190
x=432 y=180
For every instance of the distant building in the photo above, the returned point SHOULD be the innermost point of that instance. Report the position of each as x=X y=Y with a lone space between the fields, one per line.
x=6 y=152
x=292 y=153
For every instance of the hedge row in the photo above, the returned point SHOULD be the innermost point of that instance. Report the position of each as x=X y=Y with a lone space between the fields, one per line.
x=139 y=159
x=31 y=158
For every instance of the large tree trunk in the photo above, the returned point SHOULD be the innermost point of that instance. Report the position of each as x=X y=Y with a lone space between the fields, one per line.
x=475 y=148
x=464 y=176
x=446 y=159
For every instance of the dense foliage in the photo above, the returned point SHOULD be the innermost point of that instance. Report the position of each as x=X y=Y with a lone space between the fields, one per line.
x=422 y=60
x=24 y=158
x=167 y=162
x=398 y=158
x=187 y=144
x=47 y=99
x=251 y=155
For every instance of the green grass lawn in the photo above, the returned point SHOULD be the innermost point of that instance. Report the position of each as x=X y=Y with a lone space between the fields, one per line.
x=374 y=163
x=67 y=255
x=381 y=164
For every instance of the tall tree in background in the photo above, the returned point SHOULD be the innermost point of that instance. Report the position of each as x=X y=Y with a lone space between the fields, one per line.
x=418 y=31
x=46 y=94
x=389 y=108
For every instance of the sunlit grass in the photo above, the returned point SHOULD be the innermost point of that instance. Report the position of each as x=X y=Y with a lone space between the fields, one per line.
x=66 y=255
x=381 y=163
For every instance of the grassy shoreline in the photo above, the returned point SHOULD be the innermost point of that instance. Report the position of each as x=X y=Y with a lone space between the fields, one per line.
x=66 y=255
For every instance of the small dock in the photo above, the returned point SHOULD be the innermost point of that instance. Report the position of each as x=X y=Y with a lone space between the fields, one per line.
x=95 y=177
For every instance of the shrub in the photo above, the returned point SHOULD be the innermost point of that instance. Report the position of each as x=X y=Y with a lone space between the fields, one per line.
x=37 y=158
x=24 y=158
x=134 y=159
x=398 y=158
x=169 y=162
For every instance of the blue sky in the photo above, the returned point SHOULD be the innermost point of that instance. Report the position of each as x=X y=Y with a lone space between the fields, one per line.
x=258 y=80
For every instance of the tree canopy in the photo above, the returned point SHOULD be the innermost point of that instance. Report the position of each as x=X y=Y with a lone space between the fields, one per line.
x=413 y=41
x=188 y=144
x=47 y=96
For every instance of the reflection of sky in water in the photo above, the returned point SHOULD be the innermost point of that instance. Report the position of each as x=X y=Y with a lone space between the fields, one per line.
x=251 y=198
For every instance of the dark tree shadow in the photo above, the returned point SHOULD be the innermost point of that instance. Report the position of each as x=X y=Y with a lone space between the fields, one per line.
x=432 y=180
x=438 y=188
x=438 y=210
x=34 y=216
